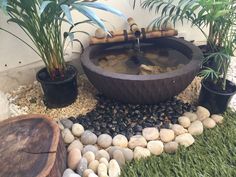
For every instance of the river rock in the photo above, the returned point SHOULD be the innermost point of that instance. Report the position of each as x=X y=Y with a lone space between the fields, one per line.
x=102 y=153
x=102 y=170
x=104 y=141
x=119 y=157
x=184 y=121
x=88 y=137
x=92 y=175
x=89 y=156
x=155 y=147
x=128 y=154
x=66 y=123
x=75 y=144
x=217 y=118
x=192 y=116
x=196 y=128
x=137 y=140
x=77 y=129
x=120 y=140
x=91 y=148
x=111 y=150
x=74 y=157
x=178 y=129
x=94 y=165
x=167 y=135
x=82 y=166
x=209 y=123
x=202 y=113
x=140 y=152
x=104 y=160
x=151 y=133
x=87 y=172
x=114 y=168
x=60 y=125
x=185 y=139
x=68 y=172
x=67 y=136
x=171 y=147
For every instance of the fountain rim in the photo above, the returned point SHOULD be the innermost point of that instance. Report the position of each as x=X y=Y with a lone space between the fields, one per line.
x=195 y=61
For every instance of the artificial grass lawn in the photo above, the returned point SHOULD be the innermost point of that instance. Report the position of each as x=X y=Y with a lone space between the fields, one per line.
x=213 y=154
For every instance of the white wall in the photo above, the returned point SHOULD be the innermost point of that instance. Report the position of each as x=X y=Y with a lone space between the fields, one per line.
x=14 y=54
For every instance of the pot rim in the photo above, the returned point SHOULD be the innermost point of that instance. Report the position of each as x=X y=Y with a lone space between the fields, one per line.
x=57 y=82
x=218 y=93
x=194 y=64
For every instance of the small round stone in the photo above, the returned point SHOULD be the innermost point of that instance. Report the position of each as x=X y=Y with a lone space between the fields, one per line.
x=114 y=168
x=111 y=150
x=88 y=137
x=91 y=148
x=167 y=135
x=202 y=113
x=137 y=140
x=102 y=170
x=196 y=128
x=185 y=139
x=171 y=147
x=119 y=157
x=120 y=140
x=82 y=166
x=150 y=133
x=128 y=154
x=66 y=123
x=209 y=123
x=74 y=157
x=75 y=144
x=87 y=172
x=178 y=129
x=77 y=129
x=94 y=165
x=67 y=136
x=140 y=152
x=102 y=153
x=217 y=118
x=89 y=156
x=104 y=160
x=68 y=172
x=60 y=125
x=192 y=116
x=155 y=147
x=104 y=141
x=92 y=175
x=184 y=121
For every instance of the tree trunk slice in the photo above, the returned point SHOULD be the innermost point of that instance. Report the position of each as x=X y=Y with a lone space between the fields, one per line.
x=31 y=146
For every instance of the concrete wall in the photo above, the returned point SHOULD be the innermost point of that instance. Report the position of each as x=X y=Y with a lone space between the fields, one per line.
x=18 y=63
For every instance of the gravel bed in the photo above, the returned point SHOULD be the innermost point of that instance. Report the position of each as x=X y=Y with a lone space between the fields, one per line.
x=114 y=118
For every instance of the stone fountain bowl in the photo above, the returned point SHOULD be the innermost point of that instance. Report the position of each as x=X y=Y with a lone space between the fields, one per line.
x=143 y=89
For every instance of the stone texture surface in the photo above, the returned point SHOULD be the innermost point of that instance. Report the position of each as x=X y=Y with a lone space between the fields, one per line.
x=184 y=121
x=202 y=113
x=171 y=147
x=192 y=116
x=120 y=140
x=89 y=156
x=91 y=148
x=67 y=136
x=155 y=147
x=140 y=152
x=151 y=133
x=137 y=140
x=167 y=135
x=185 y=139
x=119 y=157
x=88 y=138
x=75 y=144
x=178 y=129
x=209 y=123
x=82 y=166
x=114 y=169
x=196 y=128
x=102 y=153
x=74 y=157
x=94 y=165
x=217 y=118
x=104 y=141
x=77 y=129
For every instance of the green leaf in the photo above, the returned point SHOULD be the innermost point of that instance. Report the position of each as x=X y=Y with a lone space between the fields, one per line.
x=43 y=6
x=67 y=13
x=105 y=7
x=90 y=15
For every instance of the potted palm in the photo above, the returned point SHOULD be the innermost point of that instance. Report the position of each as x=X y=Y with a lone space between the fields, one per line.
x=42 y=22
x=220 y=18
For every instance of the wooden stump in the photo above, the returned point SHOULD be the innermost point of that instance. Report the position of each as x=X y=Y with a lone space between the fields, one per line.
x=31 y=146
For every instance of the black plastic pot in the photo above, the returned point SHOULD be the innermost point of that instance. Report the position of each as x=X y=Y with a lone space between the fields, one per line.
x=216 y=102
x=59 y=93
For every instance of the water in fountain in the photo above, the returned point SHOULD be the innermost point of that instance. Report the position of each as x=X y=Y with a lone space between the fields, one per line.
x=132 y=60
